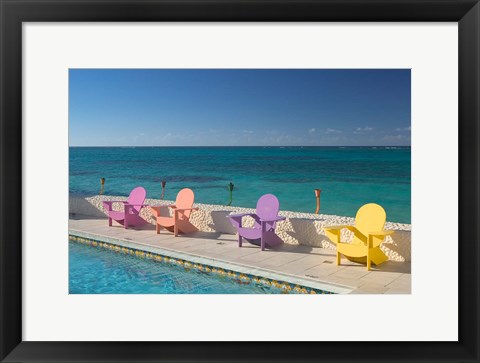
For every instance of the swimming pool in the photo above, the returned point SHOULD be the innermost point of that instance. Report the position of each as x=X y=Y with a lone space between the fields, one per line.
x=114 y=270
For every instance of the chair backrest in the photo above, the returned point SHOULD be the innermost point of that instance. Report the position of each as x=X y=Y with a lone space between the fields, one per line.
x=185 y=199
x=267 y=208
x=137 y=196
x=370 y=218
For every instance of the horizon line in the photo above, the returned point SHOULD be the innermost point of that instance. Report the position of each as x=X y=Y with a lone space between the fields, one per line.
x=130 y=146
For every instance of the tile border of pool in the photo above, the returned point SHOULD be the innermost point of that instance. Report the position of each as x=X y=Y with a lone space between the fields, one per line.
x=246 y=273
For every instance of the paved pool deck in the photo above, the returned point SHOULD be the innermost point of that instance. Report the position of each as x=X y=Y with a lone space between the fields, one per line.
x=311 y=266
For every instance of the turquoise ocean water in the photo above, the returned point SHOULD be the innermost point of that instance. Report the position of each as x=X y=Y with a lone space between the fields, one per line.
x=348 y=176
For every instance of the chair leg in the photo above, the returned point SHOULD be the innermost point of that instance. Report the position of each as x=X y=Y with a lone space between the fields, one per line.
x=239 y=240
x=262 y=239
x=339 y=257
x=109 y=221
x=369 y=261
x=176 y=219
x=157 y=228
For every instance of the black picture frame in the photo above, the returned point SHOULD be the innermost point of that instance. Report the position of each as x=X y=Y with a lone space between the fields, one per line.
x=14 y=12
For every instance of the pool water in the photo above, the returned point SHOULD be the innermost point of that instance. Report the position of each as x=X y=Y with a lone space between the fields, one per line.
x=102 y=271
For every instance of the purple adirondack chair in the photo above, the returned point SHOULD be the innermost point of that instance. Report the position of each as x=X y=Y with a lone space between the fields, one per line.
x=130 y=216
x=266 y=218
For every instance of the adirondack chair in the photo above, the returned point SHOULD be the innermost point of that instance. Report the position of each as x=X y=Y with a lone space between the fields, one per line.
x=130 y=215
x=182 y=209
x=368 y=236
x=266 y=218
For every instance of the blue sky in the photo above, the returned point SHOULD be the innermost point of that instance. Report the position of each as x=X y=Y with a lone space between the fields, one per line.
x=288 y=107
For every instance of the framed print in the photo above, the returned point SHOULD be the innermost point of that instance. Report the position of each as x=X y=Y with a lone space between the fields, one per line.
x=289 y=181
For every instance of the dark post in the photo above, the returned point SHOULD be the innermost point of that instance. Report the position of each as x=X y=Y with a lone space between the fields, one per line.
x=102 y=183
x=164 y=183
x=230 y=189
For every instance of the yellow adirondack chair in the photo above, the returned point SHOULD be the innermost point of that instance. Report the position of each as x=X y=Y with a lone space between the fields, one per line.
x=368 y=236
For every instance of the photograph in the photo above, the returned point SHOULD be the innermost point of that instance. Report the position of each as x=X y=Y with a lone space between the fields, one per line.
x=239 y=181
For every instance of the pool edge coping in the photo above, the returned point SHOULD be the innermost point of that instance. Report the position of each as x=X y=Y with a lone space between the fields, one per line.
x=217 y=263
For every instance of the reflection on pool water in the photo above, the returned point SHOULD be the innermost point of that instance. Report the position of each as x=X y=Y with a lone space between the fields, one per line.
x=101 y=271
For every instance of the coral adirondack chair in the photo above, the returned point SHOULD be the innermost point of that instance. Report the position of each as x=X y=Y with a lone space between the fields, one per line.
x=182 y=210
x=266 y=218
x=368 y=236
x=130 y=216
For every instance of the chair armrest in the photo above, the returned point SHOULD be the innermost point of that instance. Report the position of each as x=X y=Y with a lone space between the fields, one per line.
x=336 y=228
x=240 y=215
x=381 y=233
x=179 y=212
x=275 y=219
x=155 y=210
x=173 y=206
x=114 y=201
x=158 y=206
x=127 y=207
x=108 y=204
x=185 y=209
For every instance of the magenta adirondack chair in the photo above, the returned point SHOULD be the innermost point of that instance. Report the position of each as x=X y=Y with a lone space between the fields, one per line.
x=266 y=218
x=130 y=216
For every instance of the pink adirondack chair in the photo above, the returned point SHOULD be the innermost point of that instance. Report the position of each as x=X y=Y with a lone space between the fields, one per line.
x=266 y=218
x=130 y=216
x=182 y=210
